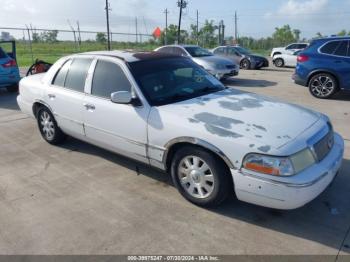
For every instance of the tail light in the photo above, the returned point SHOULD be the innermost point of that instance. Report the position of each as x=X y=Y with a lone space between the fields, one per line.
x=11 y=63
x=302 y=58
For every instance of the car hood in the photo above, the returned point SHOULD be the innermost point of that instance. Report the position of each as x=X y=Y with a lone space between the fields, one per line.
x=235 y=114
x=205 y=60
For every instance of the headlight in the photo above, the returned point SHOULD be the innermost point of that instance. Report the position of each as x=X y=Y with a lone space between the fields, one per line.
x=279 y=166
x=275 y=166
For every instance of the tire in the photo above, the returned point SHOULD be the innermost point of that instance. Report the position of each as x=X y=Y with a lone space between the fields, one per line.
x=279 y=62
x=48 y=127
x=200 y=177
x=245 y=64
x=323 y=85
x=12 y=89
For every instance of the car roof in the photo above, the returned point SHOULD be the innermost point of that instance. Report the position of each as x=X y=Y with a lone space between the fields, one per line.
x=131 y=56
x=333 y=38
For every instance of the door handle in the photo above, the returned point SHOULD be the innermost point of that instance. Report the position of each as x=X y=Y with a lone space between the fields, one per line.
x=89 y=107
x=51 y=96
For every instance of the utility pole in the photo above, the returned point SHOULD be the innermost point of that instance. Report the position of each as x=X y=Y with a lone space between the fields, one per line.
x=108 y=31
x=222 y=32
x=181 y=4
x=236 y=30
x=197 y=28
x=77 y=47
x=137 y=34
x=166 y=12
x=30 y=43
x=79 y=35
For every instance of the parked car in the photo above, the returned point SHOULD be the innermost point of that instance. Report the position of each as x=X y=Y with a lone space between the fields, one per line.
x=324 y=67
x=219 y=67
x=9 y=72
x=241 y=56
x=290 y=49
x=286 y=60
x=166 y=111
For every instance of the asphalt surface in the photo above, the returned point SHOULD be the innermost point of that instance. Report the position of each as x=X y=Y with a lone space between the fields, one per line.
x=79 y=199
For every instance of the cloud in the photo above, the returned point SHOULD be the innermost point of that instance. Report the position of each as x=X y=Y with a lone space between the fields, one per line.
x=297 y=8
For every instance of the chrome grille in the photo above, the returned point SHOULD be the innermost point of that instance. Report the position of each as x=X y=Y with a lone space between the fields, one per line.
x=324 y=146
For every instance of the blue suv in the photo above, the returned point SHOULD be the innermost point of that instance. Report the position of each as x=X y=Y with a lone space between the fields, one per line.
x=324 y=66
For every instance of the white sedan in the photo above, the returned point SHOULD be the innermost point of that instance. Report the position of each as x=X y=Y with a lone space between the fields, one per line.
x=168 y=112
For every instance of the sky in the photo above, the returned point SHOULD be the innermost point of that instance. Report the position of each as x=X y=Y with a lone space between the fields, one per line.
x=256 y=18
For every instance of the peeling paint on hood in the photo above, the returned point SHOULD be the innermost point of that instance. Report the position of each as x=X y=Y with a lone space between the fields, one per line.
x=235 y=114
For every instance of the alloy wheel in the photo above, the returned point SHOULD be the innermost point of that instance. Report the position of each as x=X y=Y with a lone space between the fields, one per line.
x=322 y=86
x=196 y=177
x=47 y=125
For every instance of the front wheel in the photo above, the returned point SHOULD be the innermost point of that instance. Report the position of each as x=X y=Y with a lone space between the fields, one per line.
x=49 y=128
x=200 y=176
x=323 y=85
x=245 y=64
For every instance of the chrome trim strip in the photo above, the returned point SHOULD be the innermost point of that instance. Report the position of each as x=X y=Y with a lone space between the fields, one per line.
x=199 y=142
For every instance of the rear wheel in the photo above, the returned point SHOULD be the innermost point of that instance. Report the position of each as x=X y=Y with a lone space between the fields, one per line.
x=48 y=127
x=245 y=64
x=200 y=176
x=323 y=85
x=279 y=62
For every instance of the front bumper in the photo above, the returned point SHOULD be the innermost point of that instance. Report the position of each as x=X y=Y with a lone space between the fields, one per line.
x=292 y=192
x=261 y=63
x=225 y=73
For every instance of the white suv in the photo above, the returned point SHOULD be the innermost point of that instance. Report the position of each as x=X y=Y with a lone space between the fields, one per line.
x=290 y=49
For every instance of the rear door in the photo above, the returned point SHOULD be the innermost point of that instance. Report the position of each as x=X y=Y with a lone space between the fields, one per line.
x=66 y=95
x=5 y=68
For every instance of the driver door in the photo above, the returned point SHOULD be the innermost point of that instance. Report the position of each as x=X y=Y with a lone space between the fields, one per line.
x=119 y=127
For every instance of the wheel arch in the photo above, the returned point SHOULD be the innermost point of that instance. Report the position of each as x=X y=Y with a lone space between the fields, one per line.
x=37 y=104
x=323 y=71
x=173 y=145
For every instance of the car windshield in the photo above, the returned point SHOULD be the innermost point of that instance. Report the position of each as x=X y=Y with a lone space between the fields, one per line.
x=243 y=50
x=171 y=80
x=2 y=53
x=196 y=51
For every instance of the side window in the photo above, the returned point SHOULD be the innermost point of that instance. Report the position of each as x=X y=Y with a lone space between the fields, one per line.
x=330 y=47
x=77 y=73
x=232 y=51
x=220 y=51
x=167 y=50
x=60 y=77
x=108 y=78
x=342 y=49
x=292 y=46
x=302 y=46
x=179 y=51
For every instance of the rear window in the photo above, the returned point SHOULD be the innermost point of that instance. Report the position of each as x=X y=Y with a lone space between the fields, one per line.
x=339 y=48
x=342 y=49
x=2 y=53
x=75 y=79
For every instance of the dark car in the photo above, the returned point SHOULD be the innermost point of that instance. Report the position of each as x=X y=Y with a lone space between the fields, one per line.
x=324 y=67
x=242 y=56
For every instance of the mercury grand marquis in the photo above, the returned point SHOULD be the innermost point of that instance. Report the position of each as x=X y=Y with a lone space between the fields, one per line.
x=168 y=112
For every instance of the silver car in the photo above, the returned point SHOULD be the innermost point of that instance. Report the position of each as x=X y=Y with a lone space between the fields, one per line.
x=242 y=56
x=219 y=67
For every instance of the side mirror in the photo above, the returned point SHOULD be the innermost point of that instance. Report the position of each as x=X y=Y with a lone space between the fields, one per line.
x=121 y=97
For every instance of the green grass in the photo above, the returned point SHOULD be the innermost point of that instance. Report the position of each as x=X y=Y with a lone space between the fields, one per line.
x=52 y=52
